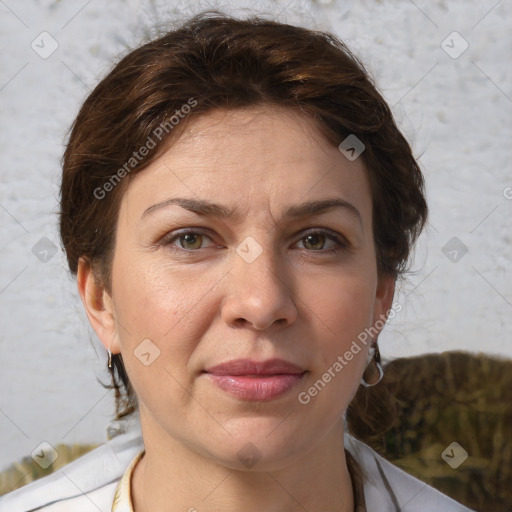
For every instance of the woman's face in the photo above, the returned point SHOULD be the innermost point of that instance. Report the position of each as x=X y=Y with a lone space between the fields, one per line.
x=218 y=258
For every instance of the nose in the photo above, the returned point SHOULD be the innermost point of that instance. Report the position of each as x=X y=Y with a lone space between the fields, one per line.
x=259 y=293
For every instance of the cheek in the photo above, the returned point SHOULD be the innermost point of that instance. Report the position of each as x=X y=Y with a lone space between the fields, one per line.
x=153 y=300
x=341 y=313
x=343 y=307
x=156 y=321
x=159 y=329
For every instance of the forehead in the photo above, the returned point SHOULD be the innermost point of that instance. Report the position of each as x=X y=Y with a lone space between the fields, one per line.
x=262 y=156
x=263 y=132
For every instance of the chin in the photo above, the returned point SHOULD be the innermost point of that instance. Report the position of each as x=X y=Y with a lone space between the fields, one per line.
x=259 y=444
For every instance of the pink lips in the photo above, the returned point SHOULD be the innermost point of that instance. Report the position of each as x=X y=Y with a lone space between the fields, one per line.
x=256 y=380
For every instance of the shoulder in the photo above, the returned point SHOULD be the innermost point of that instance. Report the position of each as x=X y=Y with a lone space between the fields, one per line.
x=87 y=484
x=388 y=488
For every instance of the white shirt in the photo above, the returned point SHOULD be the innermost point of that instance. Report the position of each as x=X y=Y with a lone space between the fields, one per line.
x=89 y=483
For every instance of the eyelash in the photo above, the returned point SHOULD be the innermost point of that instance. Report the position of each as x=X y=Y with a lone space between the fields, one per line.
x=168 y=240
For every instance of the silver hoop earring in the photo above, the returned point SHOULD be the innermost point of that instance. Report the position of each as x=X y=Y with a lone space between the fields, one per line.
x=109 y=356
x=373 y=357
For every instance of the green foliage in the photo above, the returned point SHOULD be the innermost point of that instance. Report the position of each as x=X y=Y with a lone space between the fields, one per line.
x=439 y=399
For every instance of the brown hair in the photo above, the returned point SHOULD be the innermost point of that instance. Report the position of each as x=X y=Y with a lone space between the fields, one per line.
x=220 y=62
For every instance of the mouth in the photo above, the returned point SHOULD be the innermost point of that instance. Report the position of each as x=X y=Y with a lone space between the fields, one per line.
x=256 y=380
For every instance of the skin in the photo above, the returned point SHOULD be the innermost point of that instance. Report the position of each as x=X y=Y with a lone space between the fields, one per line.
x=303 y=299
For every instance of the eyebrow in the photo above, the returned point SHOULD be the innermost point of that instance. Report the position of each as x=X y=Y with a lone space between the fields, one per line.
x=202 y=207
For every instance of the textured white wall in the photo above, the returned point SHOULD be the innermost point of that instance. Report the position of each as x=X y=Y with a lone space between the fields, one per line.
x=455 y=111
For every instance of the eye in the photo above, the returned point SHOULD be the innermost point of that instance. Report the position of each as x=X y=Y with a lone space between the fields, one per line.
x=187 y=240
x=316 y=241
x=192 y=240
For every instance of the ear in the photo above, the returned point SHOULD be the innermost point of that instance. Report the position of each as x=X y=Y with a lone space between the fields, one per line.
x=98 y=306
x=383 y=299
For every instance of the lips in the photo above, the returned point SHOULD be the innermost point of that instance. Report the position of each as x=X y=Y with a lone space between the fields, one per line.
x=249 y=367
x=256 y=380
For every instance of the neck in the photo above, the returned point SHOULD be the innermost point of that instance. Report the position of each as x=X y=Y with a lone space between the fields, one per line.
x=171 y=477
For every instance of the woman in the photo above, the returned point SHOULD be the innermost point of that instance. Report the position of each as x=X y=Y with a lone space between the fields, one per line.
x=237 y=204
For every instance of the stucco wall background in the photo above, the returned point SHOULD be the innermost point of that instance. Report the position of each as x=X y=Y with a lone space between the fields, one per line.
x=453 y=103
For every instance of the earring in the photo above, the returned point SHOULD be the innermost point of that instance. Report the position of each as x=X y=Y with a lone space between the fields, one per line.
x=109 y=357
x=373 y=357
